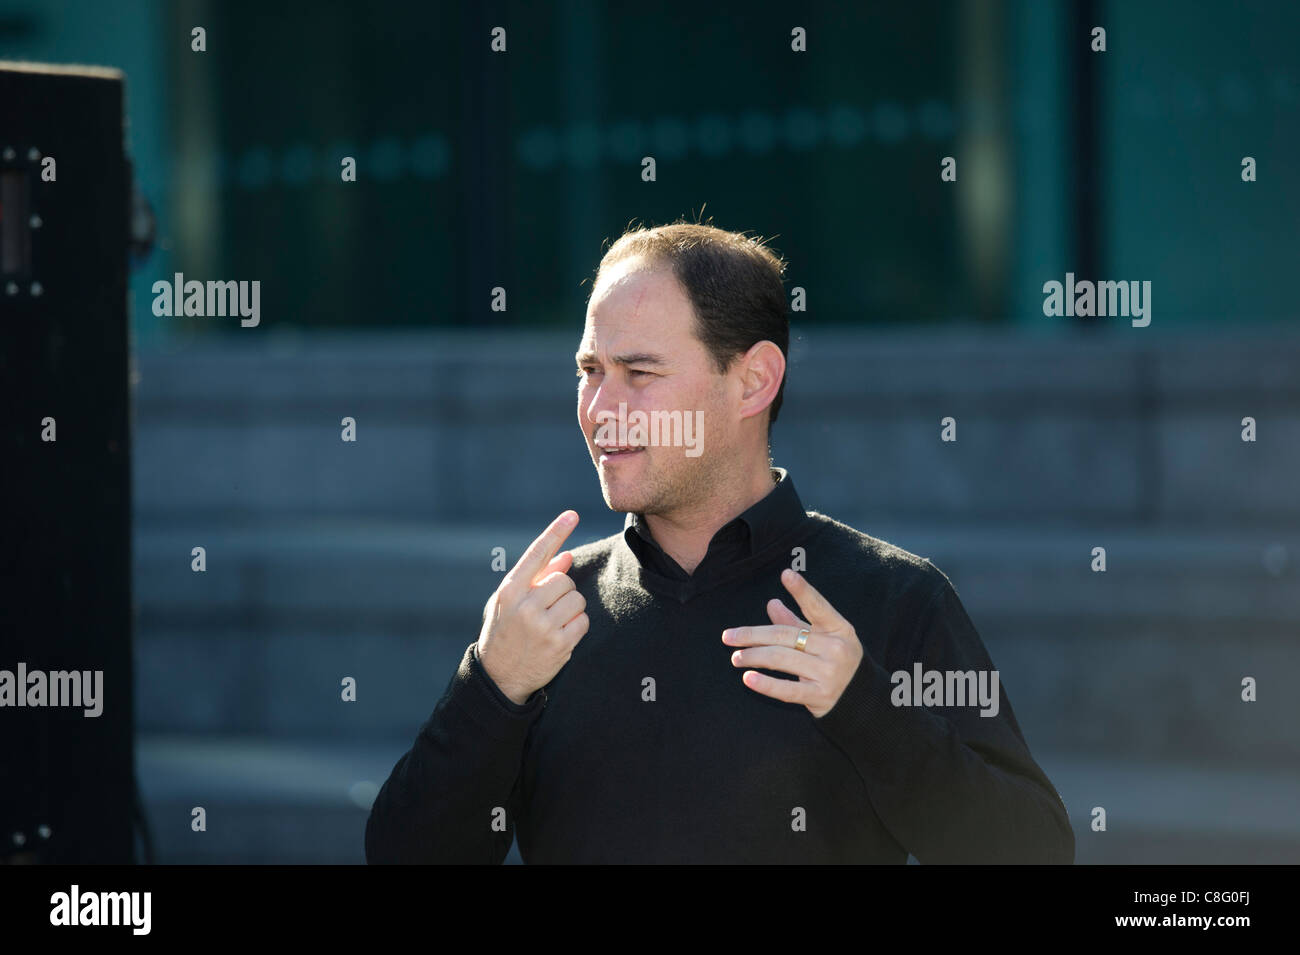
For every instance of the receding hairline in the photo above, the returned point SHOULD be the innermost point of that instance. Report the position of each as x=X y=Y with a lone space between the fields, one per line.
x=612 y=273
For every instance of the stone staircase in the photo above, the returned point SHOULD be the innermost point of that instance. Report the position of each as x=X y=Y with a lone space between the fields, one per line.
x=372 y=560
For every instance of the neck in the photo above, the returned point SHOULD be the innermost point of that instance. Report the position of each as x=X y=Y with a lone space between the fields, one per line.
x=685 y=536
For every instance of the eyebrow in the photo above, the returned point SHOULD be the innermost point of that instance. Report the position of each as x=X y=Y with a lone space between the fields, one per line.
x=637 y=358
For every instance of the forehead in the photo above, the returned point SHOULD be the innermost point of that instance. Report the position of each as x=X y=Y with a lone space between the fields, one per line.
x=635 y=300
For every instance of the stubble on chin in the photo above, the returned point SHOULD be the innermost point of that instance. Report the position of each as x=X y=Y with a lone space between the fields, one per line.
x=625 y=497
x=624 y=501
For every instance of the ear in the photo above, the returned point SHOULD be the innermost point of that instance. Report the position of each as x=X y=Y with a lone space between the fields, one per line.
x=762 y=370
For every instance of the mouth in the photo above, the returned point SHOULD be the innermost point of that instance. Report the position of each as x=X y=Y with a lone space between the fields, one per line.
x=612 y=452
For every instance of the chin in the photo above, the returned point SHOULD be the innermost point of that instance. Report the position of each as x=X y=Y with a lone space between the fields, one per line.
x=622 y=498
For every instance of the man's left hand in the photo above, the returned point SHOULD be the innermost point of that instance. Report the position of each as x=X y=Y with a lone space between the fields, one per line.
x=824 y=666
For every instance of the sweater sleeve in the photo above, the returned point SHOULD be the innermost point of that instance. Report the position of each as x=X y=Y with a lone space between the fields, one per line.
x=440 y=801
x=951 y=785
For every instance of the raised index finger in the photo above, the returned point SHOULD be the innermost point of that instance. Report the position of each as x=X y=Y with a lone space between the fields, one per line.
x=540 y=551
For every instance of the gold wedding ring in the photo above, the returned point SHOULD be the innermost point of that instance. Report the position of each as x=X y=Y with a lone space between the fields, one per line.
x=802 y=641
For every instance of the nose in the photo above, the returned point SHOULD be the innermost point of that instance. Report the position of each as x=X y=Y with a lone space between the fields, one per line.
x=603 y=400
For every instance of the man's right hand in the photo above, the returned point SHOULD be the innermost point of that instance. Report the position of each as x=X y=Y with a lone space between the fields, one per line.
x=535 y=618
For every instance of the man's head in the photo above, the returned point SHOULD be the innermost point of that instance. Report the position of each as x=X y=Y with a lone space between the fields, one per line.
x=691 y=319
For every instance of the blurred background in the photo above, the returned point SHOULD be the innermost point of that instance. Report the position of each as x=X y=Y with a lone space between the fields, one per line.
x=924 y=299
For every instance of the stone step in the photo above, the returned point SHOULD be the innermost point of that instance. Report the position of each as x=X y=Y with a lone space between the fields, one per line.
x=372 y=568
x=1085 y=427
x=1144 y=660
x=306 y=801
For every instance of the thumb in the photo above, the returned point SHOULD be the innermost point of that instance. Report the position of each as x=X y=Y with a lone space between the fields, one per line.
x=782 y=615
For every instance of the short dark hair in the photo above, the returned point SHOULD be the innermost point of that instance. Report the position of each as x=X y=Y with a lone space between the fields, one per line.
x=735 y=285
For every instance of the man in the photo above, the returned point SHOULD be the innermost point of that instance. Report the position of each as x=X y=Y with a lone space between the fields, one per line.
x=650 y=697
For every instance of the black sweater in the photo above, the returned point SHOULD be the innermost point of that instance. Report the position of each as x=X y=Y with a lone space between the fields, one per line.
x=710 y=771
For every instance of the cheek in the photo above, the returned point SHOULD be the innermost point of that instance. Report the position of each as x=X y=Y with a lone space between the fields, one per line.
x=679 y=395
x=717 y=419
x=711 y=399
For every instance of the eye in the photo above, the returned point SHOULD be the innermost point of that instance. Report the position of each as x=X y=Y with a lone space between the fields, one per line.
x=638 y=371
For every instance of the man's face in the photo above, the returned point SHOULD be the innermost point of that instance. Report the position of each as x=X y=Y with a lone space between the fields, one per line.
x=639 y=348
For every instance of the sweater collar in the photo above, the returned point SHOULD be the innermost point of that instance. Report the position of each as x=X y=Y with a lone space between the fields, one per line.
x=758 y=526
